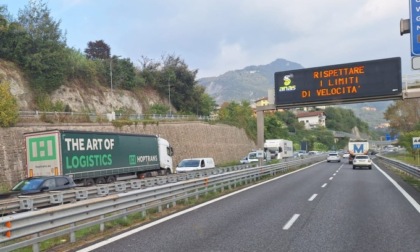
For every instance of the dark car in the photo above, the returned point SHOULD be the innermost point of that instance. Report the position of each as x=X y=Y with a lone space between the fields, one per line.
x=39 y=184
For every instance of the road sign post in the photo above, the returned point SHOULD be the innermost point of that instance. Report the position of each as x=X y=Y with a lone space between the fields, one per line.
x=416 y=146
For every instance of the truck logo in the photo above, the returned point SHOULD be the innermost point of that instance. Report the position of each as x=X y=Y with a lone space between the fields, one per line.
x=42 y=148
x=359 y=149
x=132 y=159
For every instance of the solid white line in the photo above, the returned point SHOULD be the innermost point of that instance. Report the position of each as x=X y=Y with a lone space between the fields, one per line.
x=324 y=185
x=291 y=221
x=133 y=231
x=410 y=199
x=312 y=197
x=331 y=178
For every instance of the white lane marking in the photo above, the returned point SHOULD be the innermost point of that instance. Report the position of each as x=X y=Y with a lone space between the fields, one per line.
x=324 y=185
x=410 y=199
x=312 y=197
x=291 y=221
x=136 y=230
x=334 y=174
x=331 y=178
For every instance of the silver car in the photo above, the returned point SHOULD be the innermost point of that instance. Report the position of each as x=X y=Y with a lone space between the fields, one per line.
x=362 y=161
x=333 y=157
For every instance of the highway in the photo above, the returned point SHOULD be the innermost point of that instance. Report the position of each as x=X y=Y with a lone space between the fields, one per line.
x=326 y=207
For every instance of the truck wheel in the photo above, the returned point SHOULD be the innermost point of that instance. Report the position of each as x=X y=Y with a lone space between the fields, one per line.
x=110 y=179
x=100 y=180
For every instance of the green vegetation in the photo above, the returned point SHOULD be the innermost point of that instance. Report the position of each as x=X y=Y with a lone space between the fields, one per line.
x=36 y=44
x=407 y=158
x=8 y=106
x=341 y=119
x=241 y=116
x=279 y=125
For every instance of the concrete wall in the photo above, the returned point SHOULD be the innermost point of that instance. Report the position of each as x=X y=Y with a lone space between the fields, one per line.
x=194 y=139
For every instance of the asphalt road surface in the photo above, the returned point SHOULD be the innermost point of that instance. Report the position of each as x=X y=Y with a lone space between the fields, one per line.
x=326 y=207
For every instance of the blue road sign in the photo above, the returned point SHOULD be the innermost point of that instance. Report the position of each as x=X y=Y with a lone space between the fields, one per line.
x=415 y=27
x=416 y=142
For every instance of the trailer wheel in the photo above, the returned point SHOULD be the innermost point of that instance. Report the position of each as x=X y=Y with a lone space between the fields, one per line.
x=89 y=182
x=100 y=180
x=110 y=179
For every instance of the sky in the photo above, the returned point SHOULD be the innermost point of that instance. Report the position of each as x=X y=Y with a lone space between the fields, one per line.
x=217 y=36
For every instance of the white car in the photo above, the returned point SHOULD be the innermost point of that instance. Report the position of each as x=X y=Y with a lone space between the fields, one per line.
x=346 y=155
x=362 y=161
x=333 y=157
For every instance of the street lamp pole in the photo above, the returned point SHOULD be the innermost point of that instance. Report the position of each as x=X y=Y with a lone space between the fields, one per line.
x=110 y=71
x=169 y=95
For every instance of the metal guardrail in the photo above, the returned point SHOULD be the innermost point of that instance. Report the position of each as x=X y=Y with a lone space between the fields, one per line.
x=94 y=116
x=412 y=170
x=30 y=228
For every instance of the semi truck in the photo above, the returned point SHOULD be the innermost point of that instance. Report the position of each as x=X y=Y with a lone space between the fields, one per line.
x=279 y=148
x=96 y=157
x=357 y=147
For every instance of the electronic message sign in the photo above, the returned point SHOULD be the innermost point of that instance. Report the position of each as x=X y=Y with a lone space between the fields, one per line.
x=335 y=84
x=415 y=27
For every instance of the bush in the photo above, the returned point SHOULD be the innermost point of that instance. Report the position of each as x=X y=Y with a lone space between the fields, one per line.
x=9 y=110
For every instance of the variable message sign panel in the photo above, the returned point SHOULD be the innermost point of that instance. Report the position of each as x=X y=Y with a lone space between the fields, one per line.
x=415 y=27
x=335 y=84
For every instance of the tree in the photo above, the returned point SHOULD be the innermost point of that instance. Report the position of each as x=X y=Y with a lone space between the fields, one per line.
x=275 y=128
x=341 y=119
x=8 y=106
x=42 y=55
x=123 y=73
x=403 y=116
x=98 y=50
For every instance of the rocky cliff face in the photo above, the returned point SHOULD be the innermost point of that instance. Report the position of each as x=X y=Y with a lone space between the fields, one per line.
x=79 y=97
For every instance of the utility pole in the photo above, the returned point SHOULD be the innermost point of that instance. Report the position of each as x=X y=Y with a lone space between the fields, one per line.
x=169 y=96
x=110 y=71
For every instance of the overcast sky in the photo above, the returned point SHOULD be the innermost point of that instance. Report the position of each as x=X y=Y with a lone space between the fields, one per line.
x=216 y=36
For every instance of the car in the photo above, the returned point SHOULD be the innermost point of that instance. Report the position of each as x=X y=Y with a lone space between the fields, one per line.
x=362 y=161
x=244 y=160
x=333 y=157
x=346 y=155
x=193 y=164
x=313 y=153
x=39 y=184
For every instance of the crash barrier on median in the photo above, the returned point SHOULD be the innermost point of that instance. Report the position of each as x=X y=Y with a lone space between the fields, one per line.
x=32 y=227
x=412 y=170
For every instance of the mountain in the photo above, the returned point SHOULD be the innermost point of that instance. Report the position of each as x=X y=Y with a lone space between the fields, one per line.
x=250 y=83
x=253 y=82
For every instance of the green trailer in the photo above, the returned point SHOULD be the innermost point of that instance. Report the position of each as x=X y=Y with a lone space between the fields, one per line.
x=96 y=157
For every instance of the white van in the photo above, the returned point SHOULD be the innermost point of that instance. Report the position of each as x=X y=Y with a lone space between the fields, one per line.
x=193 y=164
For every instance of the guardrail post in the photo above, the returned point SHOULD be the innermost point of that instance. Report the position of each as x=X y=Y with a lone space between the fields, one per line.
x=72 y=234
x=35 y=246
x=144 y=213
x=102 y=225
x=174 y=202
